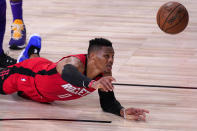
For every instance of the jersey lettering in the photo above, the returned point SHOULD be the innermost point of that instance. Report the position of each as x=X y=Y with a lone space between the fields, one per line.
x=75 y=90
x=83 y=92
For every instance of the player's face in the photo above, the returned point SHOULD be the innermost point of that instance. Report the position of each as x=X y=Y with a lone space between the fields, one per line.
x=105 y=59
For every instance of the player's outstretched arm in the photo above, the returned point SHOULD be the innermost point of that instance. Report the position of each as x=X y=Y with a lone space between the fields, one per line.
x=109 y=104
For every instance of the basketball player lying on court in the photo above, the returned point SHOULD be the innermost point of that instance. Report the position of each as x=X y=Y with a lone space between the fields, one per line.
x=70 y=78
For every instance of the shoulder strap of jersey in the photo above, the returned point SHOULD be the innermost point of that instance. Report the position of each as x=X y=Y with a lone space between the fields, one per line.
x=81 y=57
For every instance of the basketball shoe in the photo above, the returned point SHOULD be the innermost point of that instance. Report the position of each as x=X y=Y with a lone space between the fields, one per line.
x=33 y=47
x=6 y=60
x=18 y=35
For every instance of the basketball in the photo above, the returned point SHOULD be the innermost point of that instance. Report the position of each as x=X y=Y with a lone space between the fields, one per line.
x=172 y=17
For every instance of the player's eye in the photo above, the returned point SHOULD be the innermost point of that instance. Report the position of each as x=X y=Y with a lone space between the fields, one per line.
x=106 y=56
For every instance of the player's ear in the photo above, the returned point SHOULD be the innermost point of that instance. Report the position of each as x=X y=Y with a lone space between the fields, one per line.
x=92 y=56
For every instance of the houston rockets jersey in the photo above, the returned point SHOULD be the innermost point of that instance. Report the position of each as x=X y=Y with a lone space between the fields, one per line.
x=39 y=81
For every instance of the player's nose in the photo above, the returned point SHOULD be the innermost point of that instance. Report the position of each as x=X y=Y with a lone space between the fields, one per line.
x=110 y=60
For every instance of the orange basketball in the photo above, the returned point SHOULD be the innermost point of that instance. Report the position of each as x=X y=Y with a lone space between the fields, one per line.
x=172 y=17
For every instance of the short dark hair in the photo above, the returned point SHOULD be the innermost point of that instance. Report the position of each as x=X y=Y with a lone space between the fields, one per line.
x=98 y=43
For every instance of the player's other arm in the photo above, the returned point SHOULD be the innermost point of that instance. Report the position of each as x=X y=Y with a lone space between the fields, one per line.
x=71 y=70
x=108 y=101
x=109 y=104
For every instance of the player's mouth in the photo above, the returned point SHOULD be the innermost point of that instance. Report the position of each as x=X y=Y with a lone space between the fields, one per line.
x=109 y=67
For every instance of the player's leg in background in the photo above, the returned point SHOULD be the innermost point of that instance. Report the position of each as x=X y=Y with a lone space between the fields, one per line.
x=2 y=23
x=18 y=31
x=4 y=59
x=32 y=49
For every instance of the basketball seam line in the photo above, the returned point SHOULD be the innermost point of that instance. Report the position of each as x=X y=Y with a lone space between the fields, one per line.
x=177 y=23
x=170 y=14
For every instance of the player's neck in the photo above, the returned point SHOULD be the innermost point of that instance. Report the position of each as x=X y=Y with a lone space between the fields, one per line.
x=92 y=71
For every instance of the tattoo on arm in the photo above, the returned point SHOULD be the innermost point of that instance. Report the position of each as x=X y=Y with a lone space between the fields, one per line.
x=70 y=60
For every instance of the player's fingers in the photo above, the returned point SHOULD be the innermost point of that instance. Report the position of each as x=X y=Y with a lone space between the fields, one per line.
x=141 y=111
x=140 y=118
x=136 y=117
x=132 y=117
x=145 y=111
x=144 y=116
x=135 y=110
x=109 y=87
x=100 y=86
x=108 y=83
x=111 y=78
x=105 y=86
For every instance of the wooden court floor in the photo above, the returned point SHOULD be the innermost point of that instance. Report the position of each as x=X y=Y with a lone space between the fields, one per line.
x=143 y=55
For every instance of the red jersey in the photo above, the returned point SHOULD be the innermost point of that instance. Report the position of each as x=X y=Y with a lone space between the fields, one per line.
x=38 y=79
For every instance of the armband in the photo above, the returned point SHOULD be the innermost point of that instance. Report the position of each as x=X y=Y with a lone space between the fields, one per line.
x=71 y=74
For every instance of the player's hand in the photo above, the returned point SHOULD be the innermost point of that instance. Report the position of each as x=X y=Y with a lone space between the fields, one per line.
x=105 y=84
x=134 y=114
